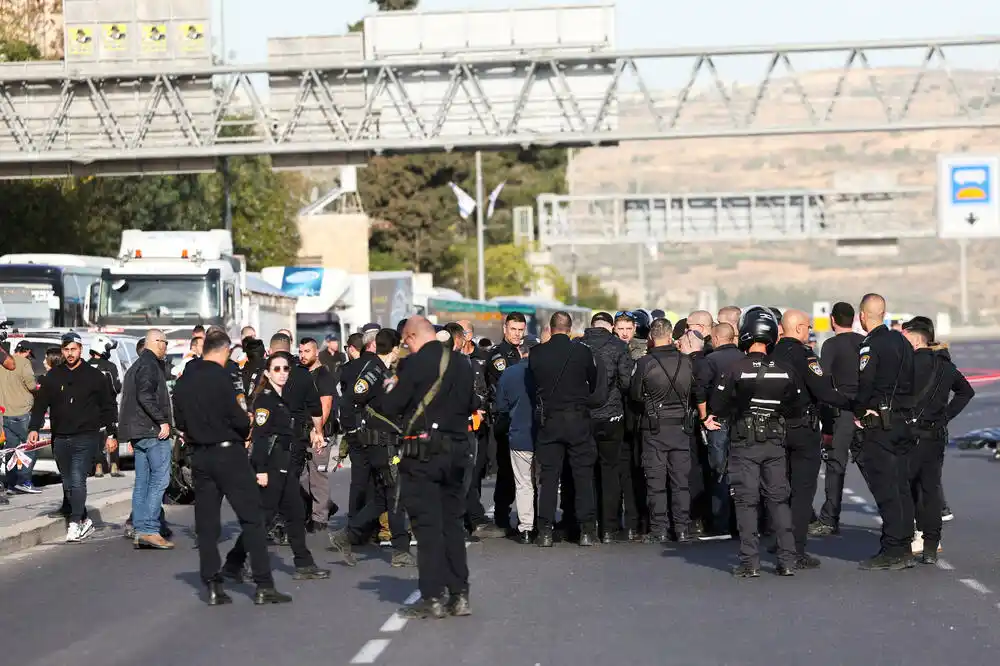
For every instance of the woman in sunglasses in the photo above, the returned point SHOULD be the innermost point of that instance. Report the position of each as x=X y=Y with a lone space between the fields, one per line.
x=278 y=469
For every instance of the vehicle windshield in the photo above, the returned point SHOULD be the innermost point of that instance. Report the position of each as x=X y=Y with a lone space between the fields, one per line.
x=154 y=299
x=29 y=304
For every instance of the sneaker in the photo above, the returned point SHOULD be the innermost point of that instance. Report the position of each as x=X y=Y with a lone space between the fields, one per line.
x=27 y=488
x=73 y=533
x=917 y=545
x=946 y=515
x=86 y=529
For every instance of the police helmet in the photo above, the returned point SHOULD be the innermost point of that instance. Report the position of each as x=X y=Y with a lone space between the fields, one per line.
x=642 y=323
x=102 y=344
x=758 y=324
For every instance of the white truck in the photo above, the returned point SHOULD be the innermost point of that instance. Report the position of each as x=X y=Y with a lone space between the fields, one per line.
x=173 y=280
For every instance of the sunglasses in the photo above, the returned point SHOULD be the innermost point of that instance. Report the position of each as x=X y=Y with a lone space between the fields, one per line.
x=625 y=313
x=281 y=368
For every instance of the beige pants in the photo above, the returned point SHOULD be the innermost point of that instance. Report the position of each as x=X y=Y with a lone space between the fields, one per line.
x=316 y=485
x=523 y=463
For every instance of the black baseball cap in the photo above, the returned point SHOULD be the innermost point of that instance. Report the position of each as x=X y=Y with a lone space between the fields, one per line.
x=602 y=316
x=71 y=338
x=23 y=346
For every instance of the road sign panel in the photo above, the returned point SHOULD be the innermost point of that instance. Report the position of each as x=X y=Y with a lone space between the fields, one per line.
x=968 y=198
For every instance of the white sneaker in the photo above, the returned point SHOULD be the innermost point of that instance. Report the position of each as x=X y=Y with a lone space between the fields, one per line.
x=73 y=533
x=86 y=529
x=917 y=546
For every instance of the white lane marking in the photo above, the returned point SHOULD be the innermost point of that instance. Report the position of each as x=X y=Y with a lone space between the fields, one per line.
x=877 y=519
x=945 y=565
x=856 y=499
x=848 y=491
x=393 y=624
x=413 y=598
x=868 y=508
x=371 y=651
x=974 y=584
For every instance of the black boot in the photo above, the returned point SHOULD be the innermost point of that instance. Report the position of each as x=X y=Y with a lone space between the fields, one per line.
x=747 y=570
x=608 y=537
x=588 y=535
x=216 y=595
x=458 y=605
x=269 y=595
x=311 y=572
x=423 y=609
x=886 y=562
x=544 y=539
x=930 y=554
x=682 y=536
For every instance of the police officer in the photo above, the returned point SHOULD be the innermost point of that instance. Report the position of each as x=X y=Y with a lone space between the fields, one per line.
x=216 y=426
x=755 y=391
x=839 y=359
x=935 y=379
x=501 y=356
x=273 y=441
x=662 y=381
x=884 y=406
x=432 y=400
x=100 y=358
x=803 y=445
x=565 y=376
x=359 y=379
x=377 y=444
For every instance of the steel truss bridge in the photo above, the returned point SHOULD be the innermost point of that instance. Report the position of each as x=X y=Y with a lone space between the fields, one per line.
x=57 y=121
x=653 y=219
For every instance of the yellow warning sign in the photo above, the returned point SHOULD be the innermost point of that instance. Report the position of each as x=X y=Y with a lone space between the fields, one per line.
x=193 y=37
x=154 y=37
x=81 y=41
x=115 y=37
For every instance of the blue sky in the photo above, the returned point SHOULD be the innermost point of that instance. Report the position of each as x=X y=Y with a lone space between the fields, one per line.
x=652 y=23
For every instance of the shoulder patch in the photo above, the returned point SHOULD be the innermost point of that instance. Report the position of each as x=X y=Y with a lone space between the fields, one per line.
x=260 y=416
x=361 y=386
x=815 y=367
x=500 y=365
x=864 y=361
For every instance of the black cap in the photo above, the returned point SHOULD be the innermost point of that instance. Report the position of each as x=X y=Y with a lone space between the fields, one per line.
x=71 y=338
x=680 y=327
x=23 y=346
x=658 y=314
x=372 y=326
x=602 y=316
x=921 y=325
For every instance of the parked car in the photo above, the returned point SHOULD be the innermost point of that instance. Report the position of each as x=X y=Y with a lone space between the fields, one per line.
x=39 y=341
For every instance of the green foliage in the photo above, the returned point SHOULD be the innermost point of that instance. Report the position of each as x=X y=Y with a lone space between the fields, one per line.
x=385 y=6
x=589 y=291
x=507 y=271
x=15 y=50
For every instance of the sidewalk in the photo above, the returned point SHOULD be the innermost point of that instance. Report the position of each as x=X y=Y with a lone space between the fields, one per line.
x=24 y=524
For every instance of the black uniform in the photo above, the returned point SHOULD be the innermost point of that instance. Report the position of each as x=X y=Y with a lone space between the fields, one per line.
x=565 y=376
x=475 y=514
x=886 y=386
x=662 y=381
x=110 y=371
x=803 y=448
x=614 y=456
x=359 y=380
x=436 y=457
x=700 y=476
x=272 y=442
x=754 y=392
x=216 y=426
x=719 y=362
x=935 y=377
x=839 y=359
x=501 y=357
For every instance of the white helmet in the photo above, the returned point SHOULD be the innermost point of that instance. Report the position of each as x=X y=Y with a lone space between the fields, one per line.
x=102 y=344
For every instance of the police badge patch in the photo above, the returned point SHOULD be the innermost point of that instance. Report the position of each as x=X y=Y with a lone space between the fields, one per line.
x=814 y=366
x=500 y=365
x=864 y=361
x=361 y=386
x=260 y=416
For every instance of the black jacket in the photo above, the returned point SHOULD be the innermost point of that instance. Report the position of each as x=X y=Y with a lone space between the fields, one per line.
x=936 y=378
x=145 y=404
x=78 y=401
x=720 y=362
x=564 y=373
x=618 y=370
x=664 y=378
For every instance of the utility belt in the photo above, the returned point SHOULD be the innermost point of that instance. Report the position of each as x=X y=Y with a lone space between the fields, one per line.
x=542 y=413
x=758 y=429
x=808 y=419
x=928 y=426
x=655 y=417
x=885 y=417
x=370 y=437
x=423 y=446
x=301 y=429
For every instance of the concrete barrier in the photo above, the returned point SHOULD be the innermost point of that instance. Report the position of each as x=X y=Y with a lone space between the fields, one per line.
x=35 y=531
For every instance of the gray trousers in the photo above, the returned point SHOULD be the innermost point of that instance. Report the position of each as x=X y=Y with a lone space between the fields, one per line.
x=755 y=471
x=666 y=462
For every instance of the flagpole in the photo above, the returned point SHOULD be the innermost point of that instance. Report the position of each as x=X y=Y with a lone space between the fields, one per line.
x=480 y=252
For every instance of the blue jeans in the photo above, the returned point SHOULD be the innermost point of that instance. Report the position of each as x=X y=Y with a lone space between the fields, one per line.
x=74 y=456
x=718 y=449
x=152 y=476
x=16 y=430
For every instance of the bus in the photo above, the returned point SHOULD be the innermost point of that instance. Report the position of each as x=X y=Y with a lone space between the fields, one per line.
x=488 y=316
x=41 y=291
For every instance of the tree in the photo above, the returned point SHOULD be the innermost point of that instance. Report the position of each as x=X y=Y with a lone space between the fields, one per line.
x=385 y=6
x=589 y=292
x=32 y=22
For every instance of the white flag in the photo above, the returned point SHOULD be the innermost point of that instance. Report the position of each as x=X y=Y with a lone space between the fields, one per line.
x=466 y=204
x=494 y=196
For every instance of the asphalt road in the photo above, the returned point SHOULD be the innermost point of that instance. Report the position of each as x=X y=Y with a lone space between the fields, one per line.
x=100 y=603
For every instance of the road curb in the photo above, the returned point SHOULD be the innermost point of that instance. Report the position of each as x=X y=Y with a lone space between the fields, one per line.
x=36 y=531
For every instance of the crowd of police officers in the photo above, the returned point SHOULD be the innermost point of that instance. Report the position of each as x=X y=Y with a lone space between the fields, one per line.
x=642 y=430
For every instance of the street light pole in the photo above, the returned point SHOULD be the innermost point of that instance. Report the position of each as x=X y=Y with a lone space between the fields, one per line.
x=480 y=216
